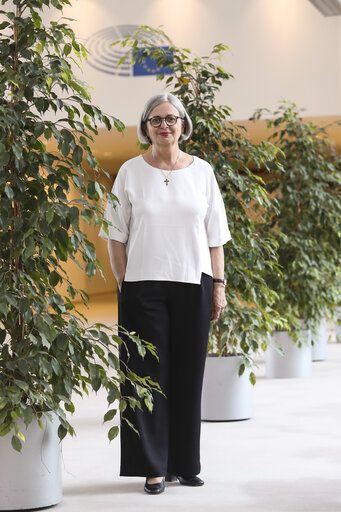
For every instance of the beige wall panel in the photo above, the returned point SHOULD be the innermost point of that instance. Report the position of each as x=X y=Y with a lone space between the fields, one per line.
x=112 y=149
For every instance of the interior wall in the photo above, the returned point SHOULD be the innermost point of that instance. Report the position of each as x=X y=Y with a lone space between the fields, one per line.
x=339 y=55
x=280 y=49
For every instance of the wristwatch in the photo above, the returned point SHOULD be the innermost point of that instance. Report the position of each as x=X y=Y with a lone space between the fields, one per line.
x=222 y=281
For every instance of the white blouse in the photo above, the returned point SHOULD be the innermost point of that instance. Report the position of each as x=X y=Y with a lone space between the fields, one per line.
x=167 y=229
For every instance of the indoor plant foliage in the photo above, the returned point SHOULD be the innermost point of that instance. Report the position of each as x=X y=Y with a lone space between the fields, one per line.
x=307 y=223
x=46 y=350
x=249 y=314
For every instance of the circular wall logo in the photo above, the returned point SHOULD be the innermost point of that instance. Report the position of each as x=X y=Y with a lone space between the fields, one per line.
x=104 y=57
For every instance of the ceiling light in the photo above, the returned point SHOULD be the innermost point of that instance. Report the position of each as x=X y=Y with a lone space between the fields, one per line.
x=328 y=7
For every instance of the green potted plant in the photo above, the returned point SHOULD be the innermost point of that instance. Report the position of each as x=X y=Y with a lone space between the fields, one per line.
x=47 y=351
x=306 y=227
x=242 y=328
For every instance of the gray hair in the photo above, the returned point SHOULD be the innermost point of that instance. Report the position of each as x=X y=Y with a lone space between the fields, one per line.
x=154 y=102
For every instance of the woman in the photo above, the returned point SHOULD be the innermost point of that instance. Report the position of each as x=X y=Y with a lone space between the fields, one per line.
x=165 y=246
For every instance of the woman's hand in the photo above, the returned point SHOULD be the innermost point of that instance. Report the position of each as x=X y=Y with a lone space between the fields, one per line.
x=118 y=260
x=219 y=301
x=119 y=283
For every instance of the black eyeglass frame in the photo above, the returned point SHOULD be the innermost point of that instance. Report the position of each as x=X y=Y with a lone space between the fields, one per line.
x=164 y=119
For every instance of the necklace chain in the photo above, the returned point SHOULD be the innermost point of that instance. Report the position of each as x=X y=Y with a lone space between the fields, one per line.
x=168 y=173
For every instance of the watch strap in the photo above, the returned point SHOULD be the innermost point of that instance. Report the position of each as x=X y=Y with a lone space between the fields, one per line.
x=222 y=281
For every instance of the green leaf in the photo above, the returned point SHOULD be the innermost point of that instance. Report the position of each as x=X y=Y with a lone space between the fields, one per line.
x=98 y=189
x=91 y=160
x=113 y=432
x=3 y=307
x=24 y=304
x=96 y=382
x=5 y=428
x=113 y=395
x=90 y=268
x=56 y=366
x=16 y=443
x=123 y=405
x=107 y=122
x=149 y=402
x=9 y=192
x=3 y=334
x=54 y=278
x=49 y=216
x=21 y=384
x=39 y=129
x=113 y=361
x=4 y=154
x=28 y=415
x=67 y=49
x=21 y=436
x=77 y=155
x=62 y=341
x=88 y=109
x=65 y=148
x=241 y=369
x=69 y=407
x=61 y=431
x=110 y=415
x=89 y=251
x=3 y=402
x=67 y=135
x=131 y=425
x=104 y=337
x=17 y=150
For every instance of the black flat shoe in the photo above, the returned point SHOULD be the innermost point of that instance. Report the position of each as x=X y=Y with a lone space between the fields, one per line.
x=154 y=488
x=190 y=481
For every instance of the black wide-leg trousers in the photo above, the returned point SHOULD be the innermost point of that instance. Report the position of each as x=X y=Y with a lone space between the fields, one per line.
x=174 y=317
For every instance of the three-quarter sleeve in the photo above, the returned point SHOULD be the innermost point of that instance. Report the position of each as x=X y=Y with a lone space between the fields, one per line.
x=217 y=229
x=118 y=216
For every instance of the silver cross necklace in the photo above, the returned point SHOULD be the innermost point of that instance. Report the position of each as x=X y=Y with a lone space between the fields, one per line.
x=168 y=173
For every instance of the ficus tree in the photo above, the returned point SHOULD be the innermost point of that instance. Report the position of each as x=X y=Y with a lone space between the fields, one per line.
x=249 y=256
x=307 y=223
x=47 y=351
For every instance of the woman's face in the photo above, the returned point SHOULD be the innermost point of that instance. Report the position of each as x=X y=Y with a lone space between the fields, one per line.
x=164 y=135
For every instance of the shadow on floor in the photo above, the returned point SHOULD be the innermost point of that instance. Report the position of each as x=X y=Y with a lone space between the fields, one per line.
x=106 y=488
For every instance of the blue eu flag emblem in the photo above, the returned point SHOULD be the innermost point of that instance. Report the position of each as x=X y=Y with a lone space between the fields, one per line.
x=148 y=66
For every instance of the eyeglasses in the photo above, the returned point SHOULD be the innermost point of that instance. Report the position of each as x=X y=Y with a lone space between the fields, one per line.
x=156 y=121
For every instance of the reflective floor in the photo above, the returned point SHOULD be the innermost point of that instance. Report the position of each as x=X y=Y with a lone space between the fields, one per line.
x=287 y=458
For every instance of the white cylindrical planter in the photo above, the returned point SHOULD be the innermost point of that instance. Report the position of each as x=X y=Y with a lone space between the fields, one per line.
x=319 y=337
x=32 y=478
x=337 y=325
x=226 y=396
x=296 y=361
x=338 y=332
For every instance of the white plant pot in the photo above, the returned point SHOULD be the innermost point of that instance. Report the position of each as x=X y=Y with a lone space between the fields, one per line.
x=338 y=326
x=338 y=332
x=296 y=361
x=320 y=337
x=226 y=396
x=32 y=478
